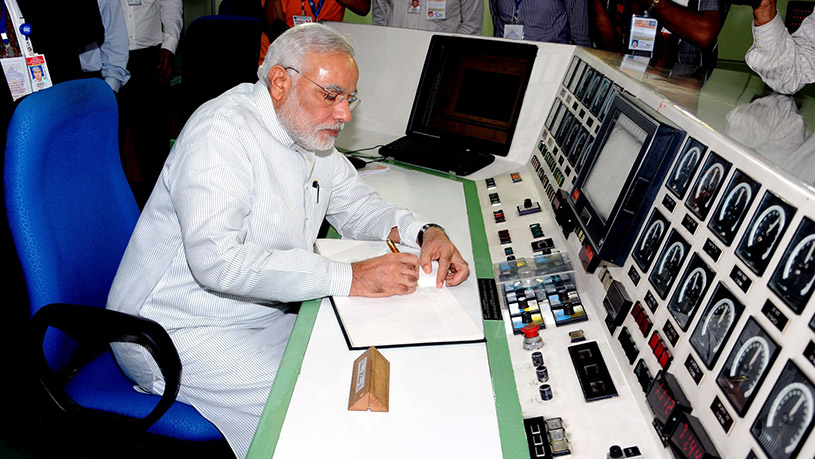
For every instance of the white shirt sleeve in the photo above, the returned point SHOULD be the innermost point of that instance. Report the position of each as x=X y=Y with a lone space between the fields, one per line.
x=785 y=62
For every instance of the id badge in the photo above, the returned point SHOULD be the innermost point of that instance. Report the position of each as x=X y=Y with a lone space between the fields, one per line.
x=514 y=31
x=436 y=9
x=643 y=35
x=302 y=20
x=414 y=7
x=38 y=70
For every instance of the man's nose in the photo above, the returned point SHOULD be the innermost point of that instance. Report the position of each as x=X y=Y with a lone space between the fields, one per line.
x=342 y=111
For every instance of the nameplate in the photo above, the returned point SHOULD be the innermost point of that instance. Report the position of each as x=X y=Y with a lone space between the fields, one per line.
x=741 y=279
x=712 y=250
x=689 y=224
x=721 y=414
x=634 y=275
x=774 y=315
x=694 y=371
x=669 y=203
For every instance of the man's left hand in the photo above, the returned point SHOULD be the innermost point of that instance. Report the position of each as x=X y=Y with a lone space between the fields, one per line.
x=437 y=246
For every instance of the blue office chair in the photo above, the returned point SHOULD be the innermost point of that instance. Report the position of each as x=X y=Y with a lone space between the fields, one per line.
x=71 y=214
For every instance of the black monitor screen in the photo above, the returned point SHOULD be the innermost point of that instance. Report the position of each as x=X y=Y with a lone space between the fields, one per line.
x=608 y=175
x=471 y=91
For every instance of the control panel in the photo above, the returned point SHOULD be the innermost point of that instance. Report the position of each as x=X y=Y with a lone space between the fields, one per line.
x=700 y=342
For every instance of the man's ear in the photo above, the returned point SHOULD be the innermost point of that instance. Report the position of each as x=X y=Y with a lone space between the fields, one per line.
x=279 y=83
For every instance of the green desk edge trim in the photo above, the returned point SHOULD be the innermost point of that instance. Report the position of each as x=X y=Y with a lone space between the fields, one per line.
x=507 y=406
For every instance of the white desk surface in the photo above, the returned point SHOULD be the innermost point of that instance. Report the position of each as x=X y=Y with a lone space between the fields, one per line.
x=441 y=397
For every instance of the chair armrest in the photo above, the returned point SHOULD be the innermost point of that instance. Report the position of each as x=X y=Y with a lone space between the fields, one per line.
x=101 y=326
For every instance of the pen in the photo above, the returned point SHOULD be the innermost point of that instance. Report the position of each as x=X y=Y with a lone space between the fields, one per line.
x=392 y=246
x=316 y=185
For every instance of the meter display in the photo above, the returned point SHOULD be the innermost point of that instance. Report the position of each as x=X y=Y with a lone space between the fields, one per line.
x=710 y=180
x=667 y=266
x=646 y=247
x=690 y=291
x=794 y=276
x=716 y=324
x=685 y=167
x=785 y=420
x=733 y=207
x=747 y=365
x=767 y=226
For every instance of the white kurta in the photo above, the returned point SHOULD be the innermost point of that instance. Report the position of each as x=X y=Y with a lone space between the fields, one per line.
x=226 y=239
x=785 y=62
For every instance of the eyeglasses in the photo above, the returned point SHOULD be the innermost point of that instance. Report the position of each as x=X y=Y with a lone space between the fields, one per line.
x=332 y=97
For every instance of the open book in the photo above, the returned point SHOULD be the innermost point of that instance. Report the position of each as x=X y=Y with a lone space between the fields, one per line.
x=430 y=315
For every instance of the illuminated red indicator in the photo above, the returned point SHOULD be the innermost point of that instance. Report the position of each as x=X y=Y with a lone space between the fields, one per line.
x=665 y=359
x=636 y=310
x=575 y=194
x=652 y=343
x=659 y=349
x=589 y=253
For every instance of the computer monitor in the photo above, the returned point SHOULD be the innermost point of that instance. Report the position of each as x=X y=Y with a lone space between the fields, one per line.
x=471 y=91
x=614 y=191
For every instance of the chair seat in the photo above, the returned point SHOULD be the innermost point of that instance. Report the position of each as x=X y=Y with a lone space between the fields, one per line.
x=100 y=385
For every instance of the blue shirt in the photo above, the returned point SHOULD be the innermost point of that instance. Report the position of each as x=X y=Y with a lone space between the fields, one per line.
x=555 y=21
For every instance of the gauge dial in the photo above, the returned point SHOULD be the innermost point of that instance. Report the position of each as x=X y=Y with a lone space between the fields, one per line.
x=735 y=204
x=794 y=278
x=784 y=422
x=691 y=291
x=790 y=414
x=766 y=231
x=751 y=361
x=715 y=327
x=650 y=243
x=683 y=172
x=706 y=188
x=671 y=260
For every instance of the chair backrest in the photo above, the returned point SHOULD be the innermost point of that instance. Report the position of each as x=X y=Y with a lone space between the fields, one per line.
x=220 y=52
x=70 y=209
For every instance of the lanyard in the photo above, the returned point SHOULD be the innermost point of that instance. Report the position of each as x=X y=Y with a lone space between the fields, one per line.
x=314 y=8
x=516 y=13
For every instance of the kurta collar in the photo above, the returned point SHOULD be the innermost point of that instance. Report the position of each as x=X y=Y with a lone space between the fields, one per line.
x=264 y=103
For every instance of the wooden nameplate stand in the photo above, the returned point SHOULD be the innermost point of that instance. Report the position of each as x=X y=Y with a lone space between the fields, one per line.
x=370 y=382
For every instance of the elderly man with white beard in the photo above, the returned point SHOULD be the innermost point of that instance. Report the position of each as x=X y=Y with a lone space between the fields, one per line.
x=225 y=242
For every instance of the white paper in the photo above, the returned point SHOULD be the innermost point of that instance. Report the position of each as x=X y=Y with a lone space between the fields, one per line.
x=429 y=315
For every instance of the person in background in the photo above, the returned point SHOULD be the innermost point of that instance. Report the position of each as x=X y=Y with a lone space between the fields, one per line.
x=109 y=60
x=451 y=16
x=556 y=21
x=785 y=62
x=153 y=31
x=692 y=46
x=279 y=14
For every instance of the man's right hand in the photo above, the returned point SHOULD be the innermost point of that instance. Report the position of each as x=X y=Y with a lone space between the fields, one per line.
x=391 y=274
x=764 y=12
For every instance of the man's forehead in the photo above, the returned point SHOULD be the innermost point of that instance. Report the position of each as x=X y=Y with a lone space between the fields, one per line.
x=332 y=67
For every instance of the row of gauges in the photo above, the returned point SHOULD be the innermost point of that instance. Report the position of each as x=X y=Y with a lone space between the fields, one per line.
x=575 y=116
x=786 y=417
x=793 y=278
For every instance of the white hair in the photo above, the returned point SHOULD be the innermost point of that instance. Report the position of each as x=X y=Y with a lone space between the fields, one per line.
x=292 y=46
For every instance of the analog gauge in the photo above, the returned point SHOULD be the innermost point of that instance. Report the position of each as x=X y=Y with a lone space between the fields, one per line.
x=667 y=267
x=790 y=414
x=692 y=288
x=715 y=325
x=786 y=417
x=597 y=103
x=731 y=212
x=747 y=366
x=684 y=169
x=706 y=187
x=649 y=243
x=751 y=361
x=794 y=277
x=765 y=232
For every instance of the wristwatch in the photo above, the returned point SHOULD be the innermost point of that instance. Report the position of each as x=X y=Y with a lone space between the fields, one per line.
x=420 y=237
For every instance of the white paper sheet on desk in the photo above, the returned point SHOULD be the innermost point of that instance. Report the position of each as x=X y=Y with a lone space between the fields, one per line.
x=429 y=315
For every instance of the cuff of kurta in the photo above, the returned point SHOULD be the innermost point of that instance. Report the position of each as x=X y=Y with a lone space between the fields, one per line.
x=170 y=44
x=769 y=31
x=113 y=83
x=411 y=233
x=341 y=277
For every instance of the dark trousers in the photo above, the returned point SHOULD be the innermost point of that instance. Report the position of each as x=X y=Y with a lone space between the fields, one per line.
x=145 y=122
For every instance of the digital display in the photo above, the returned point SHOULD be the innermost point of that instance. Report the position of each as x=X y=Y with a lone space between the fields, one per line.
x=666 y=400
x=690 y=441
x=610 y=172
